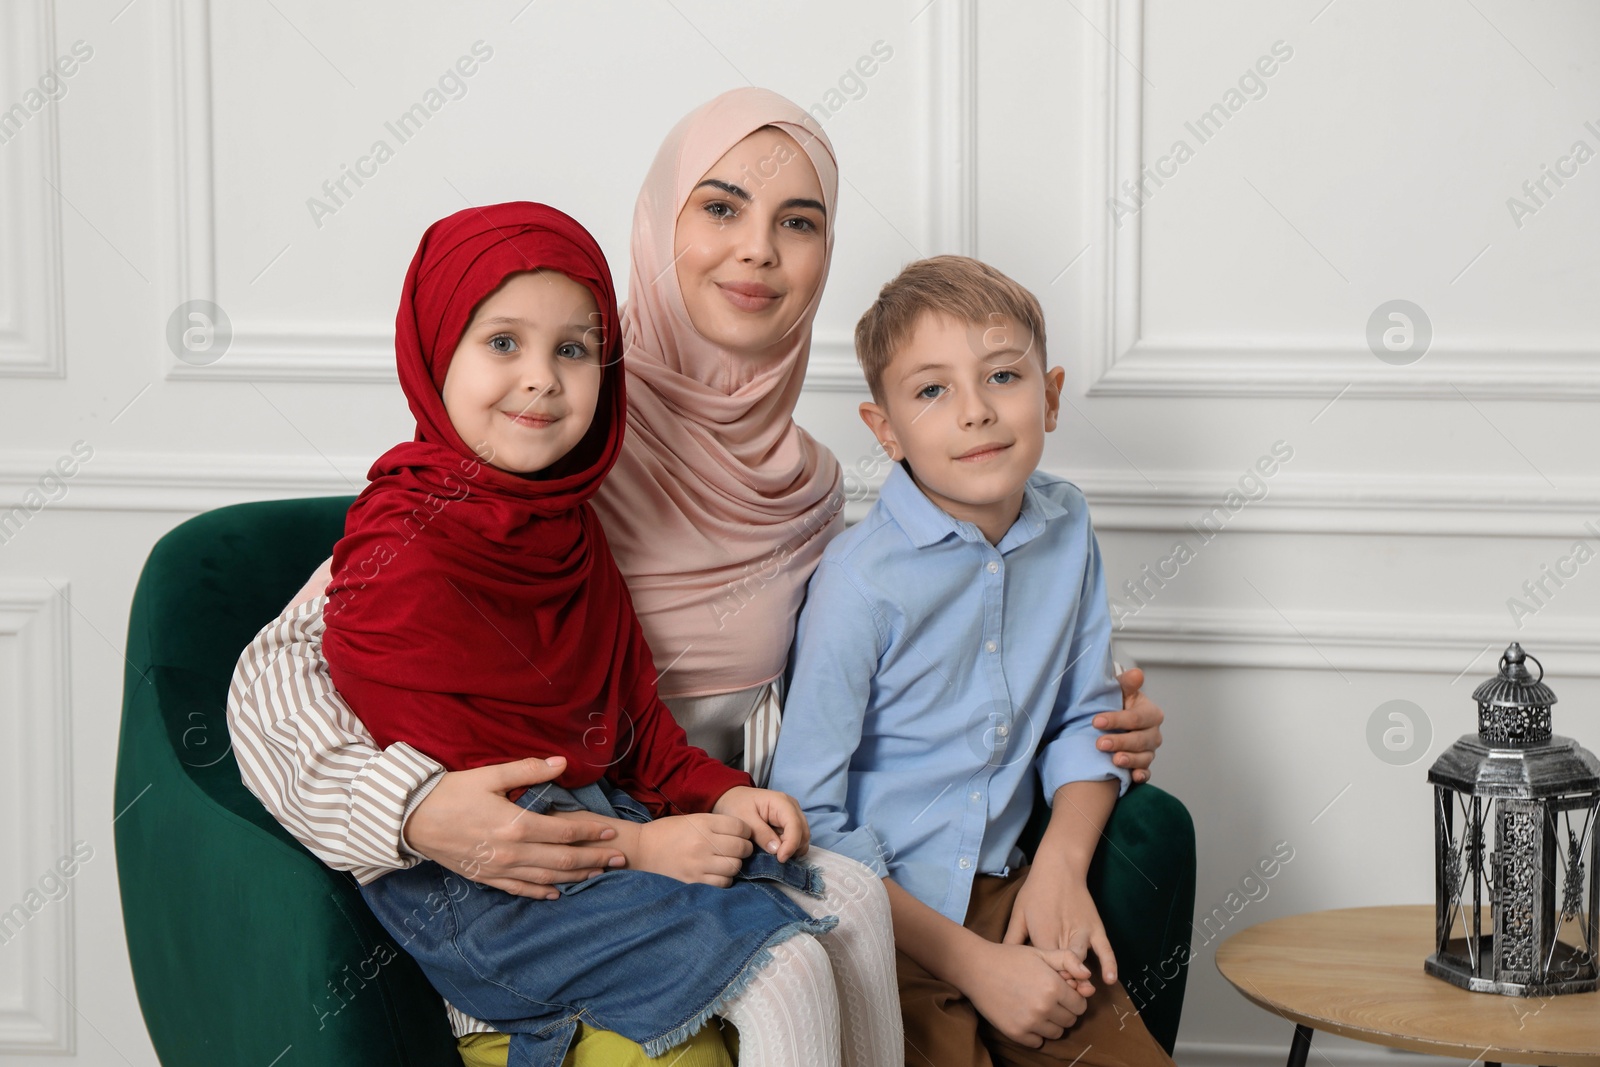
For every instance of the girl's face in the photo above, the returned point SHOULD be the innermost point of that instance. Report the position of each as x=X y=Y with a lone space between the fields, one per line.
x=522 y=387
x=750 y=243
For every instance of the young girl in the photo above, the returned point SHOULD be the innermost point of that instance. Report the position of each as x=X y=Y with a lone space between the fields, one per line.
x=476 y=614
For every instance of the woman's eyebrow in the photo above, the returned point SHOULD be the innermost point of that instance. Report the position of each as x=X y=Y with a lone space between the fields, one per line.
x=727 y=187
x=793 y=202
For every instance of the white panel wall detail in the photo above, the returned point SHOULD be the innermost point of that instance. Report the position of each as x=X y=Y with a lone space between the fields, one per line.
x=36 y=892
x=1313 y=363
x=30 y=193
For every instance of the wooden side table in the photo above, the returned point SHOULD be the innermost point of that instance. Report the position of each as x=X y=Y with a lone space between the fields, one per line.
x=1358 y=972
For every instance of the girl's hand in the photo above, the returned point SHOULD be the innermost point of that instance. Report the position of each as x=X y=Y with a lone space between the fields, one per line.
x=774 y=820
x=1139 y=723
x=704 y=848
x=465 y=824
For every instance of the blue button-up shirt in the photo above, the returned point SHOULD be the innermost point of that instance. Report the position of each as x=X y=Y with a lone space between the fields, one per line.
x=935 y=675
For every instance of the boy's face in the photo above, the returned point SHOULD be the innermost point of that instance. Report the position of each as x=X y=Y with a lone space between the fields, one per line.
x=968 y=407
x=523 y=383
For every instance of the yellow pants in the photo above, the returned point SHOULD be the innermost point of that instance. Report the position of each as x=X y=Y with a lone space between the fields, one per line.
x=602 y=1048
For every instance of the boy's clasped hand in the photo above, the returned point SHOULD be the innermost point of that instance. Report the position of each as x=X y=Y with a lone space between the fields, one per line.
x=1030 y=994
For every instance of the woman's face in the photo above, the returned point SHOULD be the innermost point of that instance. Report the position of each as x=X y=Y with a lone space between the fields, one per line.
x=751 y=243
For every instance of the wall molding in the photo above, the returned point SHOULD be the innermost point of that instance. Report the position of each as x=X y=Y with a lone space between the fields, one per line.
x=1451 y=505
x=1439 y=506
x=952 y=121
x=34 y=642
x=298 y=355
x=171 y=482
x=1345 y=641
x=360 y=354
x=1125 y=362
x=833 y=367
x=31 y=289
x=1429 y=506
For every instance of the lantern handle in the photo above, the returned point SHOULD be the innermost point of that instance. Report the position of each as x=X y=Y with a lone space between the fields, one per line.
x=1506 y=658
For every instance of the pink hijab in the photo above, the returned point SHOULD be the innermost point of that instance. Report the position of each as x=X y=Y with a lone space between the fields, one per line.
x=720 y=505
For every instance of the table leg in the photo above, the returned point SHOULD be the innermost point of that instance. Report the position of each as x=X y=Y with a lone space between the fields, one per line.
x=1300 y=1048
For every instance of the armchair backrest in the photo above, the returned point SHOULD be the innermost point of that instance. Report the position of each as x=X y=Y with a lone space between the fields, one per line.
x=243 y=944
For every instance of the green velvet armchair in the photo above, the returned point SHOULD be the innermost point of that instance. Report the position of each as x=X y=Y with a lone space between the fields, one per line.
x=248 y=950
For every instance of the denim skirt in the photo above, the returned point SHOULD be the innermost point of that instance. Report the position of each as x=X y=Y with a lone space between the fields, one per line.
x=640 y=954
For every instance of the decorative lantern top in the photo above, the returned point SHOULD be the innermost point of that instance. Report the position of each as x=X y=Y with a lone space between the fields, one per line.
x=1514 y=753
x=1514 y=706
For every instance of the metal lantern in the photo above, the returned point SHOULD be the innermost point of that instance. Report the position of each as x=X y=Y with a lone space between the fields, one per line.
x=1521 y=920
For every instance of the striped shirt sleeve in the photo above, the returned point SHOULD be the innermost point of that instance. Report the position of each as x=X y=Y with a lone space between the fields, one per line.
x=309 y=759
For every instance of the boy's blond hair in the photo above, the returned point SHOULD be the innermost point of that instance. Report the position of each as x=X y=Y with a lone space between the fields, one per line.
x=959 y=286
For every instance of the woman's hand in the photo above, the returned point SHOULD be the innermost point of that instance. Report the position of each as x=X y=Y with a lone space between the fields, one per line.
x=1140 y=722
x=467 y=825
x=703 y=848
x=773 y=819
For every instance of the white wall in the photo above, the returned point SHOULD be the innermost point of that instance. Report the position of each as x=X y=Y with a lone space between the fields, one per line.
x=1226 y=314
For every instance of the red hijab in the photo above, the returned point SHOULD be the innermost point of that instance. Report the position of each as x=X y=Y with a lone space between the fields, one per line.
x=477 y=614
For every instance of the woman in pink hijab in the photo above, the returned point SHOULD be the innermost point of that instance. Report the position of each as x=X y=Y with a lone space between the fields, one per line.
x=721 y=505
x=717 y=512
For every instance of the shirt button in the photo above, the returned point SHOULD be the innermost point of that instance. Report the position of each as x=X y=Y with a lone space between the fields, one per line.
x=975 y=796
x=1002 y=730
x=989 y=646
x=963 y=863
x=993 y=566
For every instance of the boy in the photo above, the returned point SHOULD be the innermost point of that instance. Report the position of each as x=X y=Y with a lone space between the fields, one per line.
x=954 y=648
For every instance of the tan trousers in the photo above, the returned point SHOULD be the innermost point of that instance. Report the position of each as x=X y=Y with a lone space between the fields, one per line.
x=943 y=1029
